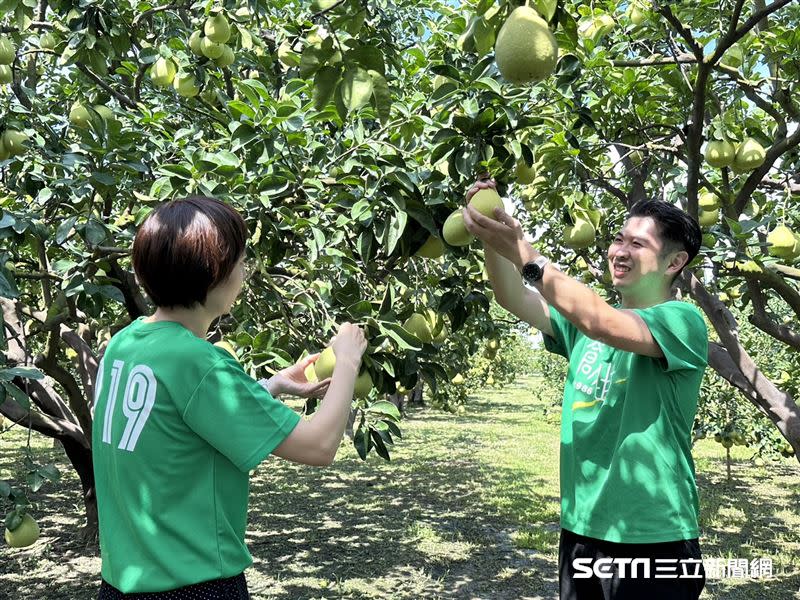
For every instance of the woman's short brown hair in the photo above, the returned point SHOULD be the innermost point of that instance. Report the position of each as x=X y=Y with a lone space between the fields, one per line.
x=187 y=247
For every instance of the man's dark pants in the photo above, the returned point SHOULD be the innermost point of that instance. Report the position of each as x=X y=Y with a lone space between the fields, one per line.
x=667 y=561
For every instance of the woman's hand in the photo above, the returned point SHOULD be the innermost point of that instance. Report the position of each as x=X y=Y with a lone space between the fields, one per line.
x=293 y=381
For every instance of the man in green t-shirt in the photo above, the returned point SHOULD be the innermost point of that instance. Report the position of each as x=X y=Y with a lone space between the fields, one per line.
x=629 y=505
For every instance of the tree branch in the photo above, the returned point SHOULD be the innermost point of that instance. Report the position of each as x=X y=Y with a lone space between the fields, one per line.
x=46 y=424
x=149 y=13
x=760 y=319
x=612 y=189
x=329 y=9
x=87 y=361
x=77 y=401
x=751 y=93
x=661 y=60
x=123 y=99
x=696 y=49
x=742 y=371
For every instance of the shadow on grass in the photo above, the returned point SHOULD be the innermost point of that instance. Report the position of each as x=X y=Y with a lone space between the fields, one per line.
x=360 y=522
x=418 y=527
x=743 y=512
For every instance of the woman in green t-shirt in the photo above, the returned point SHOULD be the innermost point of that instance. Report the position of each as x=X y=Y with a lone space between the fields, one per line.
x=179 y=425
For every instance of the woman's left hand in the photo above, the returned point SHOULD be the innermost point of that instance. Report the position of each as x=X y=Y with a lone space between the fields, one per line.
x=293 y=381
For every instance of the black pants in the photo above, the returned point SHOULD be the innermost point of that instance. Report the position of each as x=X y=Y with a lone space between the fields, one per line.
x=231 y=588
x=666 y=571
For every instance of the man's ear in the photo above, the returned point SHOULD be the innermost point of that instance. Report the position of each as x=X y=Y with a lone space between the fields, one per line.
x=677 y=261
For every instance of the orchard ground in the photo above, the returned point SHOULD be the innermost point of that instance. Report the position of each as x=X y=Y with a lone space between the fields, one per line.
x=468 y=508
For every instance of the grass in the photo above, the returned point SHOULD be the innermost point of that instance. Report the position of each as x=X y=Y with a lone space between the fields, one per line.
x=468 y=508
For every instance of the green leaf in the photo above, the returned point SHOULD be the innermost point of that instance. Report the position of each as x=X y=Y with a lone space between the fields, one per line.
x=103 y=178
x=17 y=394
x=384 y=407
x=382 y=95
x=27 y=372
x=180 y=171
x=312 y=58
x=338 y=101
x=64 y=229
x=489 y=84
x=246 y=40
x=380 y=446
x=446 y=70
x=396 y=431
x=13 y=520
x=396 y=229
x=237 y=106
x=546 y=8
x=484 y=37
x=466 y=41
x=50 y=472
x=356 y=88
x=34 y=481
x=404 y=339
x=369 y=57
x=7 y=288
x=362 y=443
x=95 y=232
x=324 y=85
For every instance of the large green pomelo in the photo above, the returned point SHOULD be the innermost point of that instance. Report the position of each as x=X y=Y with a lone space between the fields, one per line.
x=25 y=534
x=14 y=142
x=324 y=365
x=708 y=201
x=418 y=325
x=524 y=173
x=186 y=85
x=163 y=71
x=526 y=50
x=7 y=51
x=783 y=243
x=454 y=232
x=485 y=201
x=579 y=235
x=720 y=153
x=707 y=218
x=749 y=155
x=432 y=248
x=363 y=385
x=217 y=29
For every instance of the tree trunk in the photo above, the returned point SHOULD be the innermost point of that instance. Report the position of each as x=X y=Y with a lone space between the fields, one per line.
x=732 y=362
x=399 y=400
x=416 y=395
x=81 y=459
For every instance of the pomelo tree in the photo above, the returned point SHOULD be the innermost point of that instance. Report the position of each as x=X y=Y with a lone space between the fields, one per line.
x=346 y=132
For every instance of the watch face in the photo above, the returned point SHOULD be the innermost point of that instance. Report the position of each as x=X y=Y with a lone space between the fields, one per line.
x=531 y=272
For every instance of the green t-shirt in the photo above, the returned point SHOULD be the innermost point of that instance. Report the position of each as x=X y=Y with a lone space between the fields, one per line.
x=627 y=473
x=178 y=425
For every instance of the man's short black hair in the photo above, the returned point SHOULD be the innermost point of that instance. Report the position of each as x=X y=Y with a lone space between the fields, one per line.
x=679 y=231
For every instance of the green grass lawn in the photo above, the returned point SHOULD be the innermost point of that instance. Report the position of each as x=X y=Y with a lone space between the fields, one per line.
x=468 y=508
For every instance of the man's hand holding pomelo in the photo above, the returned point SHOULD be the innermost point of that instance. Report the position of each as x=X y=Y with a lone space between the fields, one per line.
x=503 y=233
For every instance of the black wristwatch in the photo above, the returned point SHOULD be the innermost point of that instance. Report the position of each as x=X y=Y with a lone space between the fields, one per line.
x=534 y=270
